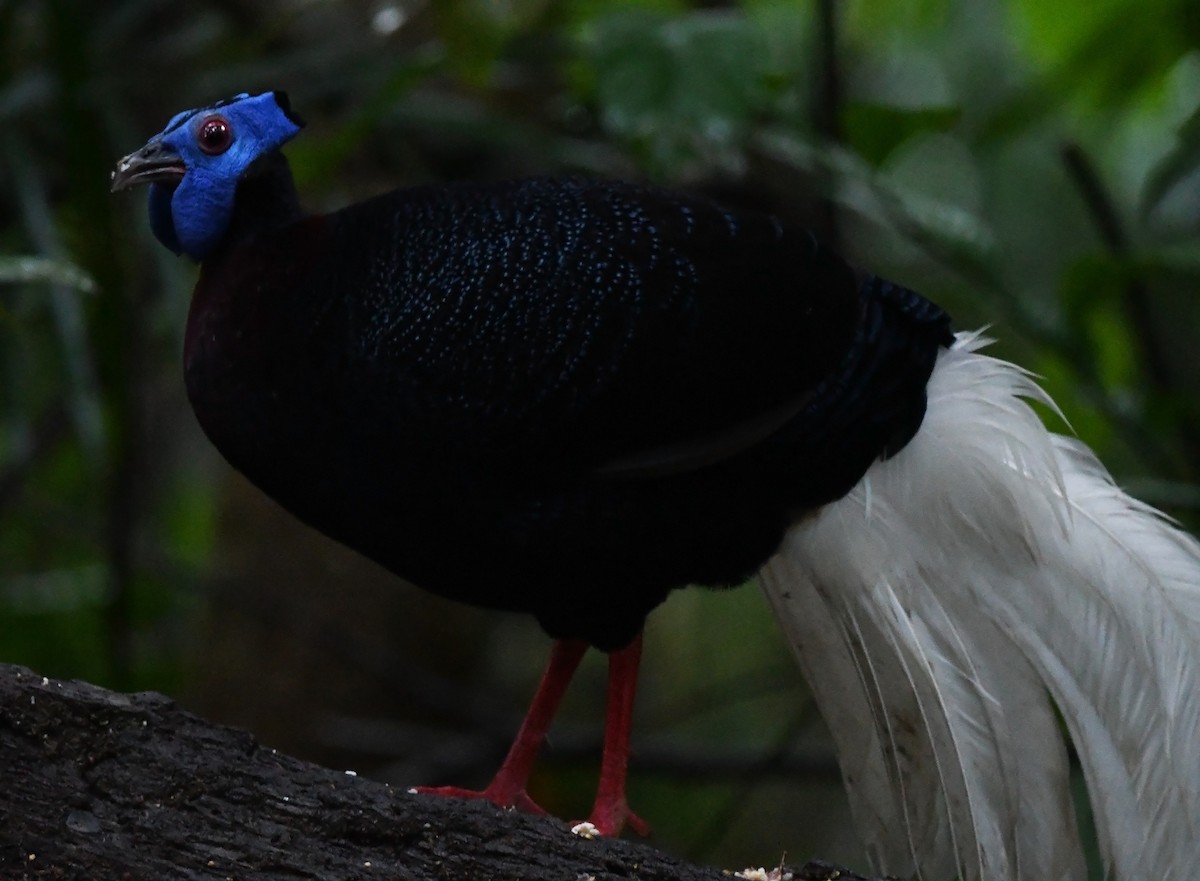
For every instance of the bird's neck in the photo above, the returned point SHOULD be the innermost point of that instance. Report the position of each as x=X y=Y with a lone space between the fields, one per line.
x=266 y=201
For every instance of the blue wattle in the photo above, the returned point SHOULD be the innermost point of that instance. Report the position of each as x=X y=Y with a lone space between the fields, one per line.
x=200 y=209
x=161 y=222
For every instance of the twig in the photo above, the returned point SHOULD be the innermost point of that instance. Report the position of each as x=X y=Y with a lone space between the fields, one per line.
x=827 y=105
x=1135 y=298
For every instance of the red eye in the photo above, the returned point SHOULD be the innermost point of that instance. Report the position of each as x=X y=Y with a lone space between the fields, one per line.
x=215 y=135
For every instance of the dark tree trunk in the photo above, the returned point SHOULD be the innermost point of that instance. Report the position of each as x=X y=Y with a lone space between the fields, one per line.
x=98 y=785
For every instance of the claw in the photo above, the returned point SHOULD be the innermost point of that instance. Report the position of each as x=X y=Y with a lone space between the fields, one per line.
x=518 y=799
x=610 y=818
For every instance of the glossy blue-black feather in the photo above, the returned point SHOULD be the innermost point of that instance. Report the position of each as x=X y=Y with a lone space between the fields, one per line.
x=563 y=397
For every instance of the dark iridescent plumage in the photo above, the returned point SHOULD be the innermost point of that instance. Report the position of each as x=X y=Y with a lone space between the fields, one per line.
x=560 y=397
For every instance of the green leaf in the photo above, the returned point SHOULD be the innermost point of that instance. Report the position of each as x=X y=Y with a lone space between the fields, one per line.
x=677 y=88
x=883 y=19
x=1103 y=52
x=1181 y=163
x=954 y=234
x=875 y=130
x=477 y=32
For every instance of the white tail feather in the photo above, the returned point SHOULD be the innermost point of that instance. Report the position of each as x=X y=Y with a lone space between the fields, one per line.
x=987 y=574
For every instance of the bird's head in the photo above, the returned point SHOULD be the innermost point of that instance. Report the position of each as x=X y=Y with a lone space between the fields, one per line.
x=195 y=164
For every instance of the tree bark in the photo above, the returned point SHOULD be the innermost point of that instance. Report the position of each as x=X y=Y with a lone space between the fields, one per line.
x=98 y=785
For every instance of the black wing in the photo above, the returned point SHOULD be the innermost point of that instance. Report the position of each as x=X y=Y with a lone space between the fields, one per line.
x=605 y=326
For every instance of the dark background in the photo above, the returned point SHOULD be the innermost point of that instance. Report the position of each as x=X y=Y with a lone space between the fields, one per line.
x=1031 y=165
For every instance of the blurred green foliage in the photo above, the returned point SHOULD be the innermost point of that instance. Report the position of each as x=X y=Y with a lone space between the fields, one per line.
x=1031 y=165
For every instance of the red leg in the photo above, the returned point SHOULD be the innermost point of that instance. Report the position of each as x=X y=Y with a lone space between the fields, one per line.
x=507 y=788
x=611 y=812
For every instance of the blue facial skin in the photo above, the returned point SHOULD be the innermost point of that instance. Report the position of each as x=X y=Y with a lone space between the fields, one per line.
x=191 y=217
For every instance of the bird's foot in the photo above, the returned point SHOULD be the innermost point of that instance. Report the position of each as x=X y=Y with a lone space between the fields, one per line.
x=609 y=817
x=501 y=796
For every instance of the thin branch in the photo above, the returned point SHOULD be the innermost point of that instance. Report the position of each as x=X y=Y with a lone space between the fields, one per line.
x=1135 y=298
x=1112 y=233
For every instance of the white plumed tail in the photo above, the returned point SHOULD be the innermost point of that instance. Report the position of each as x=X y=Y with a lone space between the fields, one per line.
x=986 y=575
